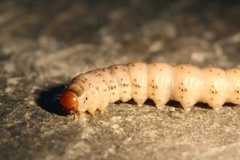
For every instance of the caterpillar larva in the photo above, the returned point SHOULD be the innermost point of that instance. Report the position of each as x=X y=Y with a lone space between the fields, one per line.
x=158 y=81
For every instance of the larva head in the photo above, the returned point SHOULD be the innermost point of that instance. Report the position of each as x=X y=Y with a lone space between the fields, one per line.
x=69 y=100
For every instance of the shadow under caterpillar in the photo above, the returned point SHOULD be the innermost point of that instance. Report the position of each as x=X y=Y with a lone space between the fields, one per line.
x=158 y=81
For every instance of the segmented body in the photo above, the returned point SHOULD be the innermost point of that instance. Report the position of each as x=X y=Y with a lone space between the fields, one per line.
x=158 y=81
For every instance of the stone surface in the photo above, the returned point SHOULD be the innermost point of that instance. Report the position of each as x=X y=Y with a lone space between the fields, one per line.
x=43 y=44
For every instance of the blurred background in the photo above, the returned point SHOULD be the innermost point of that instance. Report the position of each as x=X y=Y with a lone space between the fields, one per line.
x=69 y=37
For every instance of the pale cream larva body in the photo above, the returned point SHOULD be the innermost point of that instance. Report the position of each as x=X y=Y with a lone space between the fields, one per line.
x=158 y=81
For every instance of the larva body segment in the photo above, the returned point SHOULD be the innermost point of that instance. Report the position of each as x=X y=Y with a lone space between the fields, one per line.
x=187 y=85
x=121 y=74
x=216 y=87
x=138 y=74
x=234 y=80
x=89 y=96
x=158 y=81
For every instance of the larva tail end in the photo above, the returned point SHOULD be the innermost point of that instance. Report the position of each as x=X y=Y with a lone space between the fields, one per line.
x=69 y=100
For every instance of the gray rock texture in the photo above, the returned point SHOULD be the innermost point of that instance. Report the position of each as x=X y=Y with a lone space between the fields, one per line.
x=43 y=44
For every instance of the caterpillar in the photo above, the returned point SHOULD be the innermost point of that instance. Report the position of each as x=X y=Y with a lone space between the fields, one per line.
x=158 y=81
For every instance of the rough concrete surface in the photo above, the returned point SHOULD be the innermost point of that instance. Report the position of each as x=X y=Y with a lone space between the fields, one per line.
x=43 y=44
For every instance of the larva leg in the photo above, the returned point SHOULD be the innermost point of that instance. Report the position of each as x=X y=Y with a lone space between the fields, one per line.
x=102 y=109
x=92 y=111
x=80 y=114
